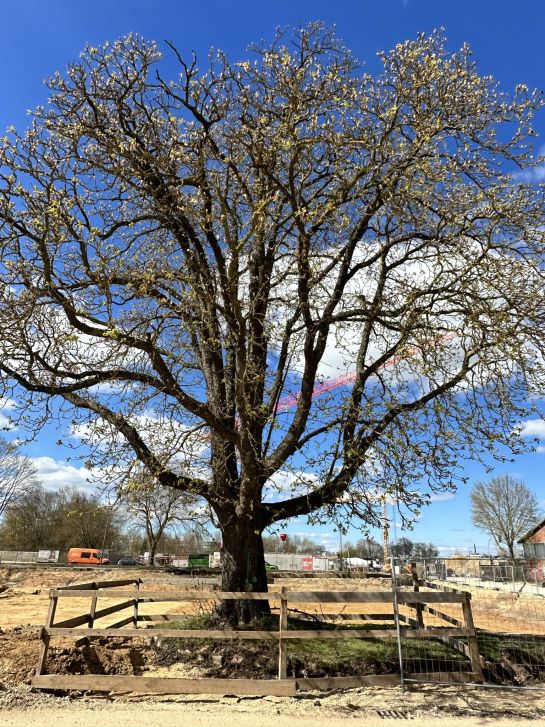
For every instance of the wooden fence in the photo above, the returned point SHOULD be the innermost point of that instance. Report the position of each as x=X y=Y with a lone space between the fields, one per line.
x=412 y=629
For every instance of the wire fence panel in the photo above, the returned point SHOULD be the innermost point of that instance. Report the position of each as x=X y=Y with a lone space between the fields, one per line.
x=506 y=608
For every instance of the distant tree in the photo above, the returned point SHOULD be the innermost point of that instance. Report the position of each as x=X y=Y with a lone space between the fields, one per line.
x=94 y=524
x=59 y=519
x=369 y=548
x=505 y=508
x=293 y=544
x=155 y=510
x=425 y=550
x=404 y=548
x=17 y=475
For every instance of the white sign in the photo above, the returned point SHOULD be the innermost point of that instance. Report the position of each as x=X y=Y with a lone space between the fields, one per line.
x=48 y=556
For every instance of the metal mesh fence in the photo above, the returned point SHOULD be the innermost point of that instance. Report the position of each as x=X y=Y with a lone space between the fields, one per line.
x=504 y=609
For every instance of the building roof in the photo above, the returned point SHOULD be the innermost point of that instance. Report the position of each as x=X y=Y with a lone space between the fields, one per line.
x=531 y=532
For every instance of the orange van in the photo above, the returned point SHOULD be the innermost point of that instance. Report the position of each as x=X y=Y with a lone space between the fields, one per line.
x=85 y=556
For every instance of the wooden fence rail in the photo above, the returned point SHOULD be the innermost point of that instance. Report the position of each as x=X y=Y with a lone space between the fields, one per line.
x=409 y=628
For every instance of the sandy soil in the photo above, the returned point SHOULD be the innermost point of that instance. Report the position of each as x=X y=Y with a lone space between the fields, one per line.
x=23 y=608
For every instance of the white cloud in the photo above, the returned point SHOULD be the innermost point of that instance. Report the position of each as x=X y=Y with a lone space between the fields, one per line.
x=54 y=474
x=6 y=405
x=533 y=428
x=536 y=175
x=449 y=548
x=286 y=483
x=443 y=497
x=540 y=449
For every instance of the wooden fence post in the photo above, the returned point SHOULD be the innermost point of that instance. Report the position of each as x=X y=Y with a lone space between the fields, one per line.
x=474 y=655
x=283 y=644
x=135 y=613
x=416 y=588
x=42 y=658
x=93 y=607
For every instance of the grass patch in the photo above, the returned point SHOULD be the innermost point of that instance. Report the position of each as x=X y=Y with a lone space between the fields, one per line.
x=526 y=649
x=307 y=657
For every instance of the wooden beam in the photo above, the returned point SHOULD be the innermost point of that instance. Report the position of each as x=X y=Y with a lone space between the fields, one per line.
x=342 y=616
x=170 y=596
x=44 y=636
x=123 y=622
x=71 y=622
x=474 y=655
x=374 y=596
x=166 y=685
x=99 y=584
x=369 y=680
x=292 y=596
x=113 y=609
x=444 y=616
x=262 y=635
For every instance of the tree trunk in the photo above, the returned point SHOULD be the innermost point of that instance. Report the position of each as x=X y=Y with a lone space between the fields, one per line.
x=243 y=569
x=152 y=549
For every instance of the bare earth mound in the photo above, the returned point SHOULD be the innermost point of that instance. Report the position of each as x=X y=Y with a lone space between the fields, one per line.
x=23 y=608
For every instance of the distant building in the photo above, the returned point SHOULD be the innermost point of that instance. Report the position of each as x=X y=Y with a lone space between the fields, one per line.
x=533 y=544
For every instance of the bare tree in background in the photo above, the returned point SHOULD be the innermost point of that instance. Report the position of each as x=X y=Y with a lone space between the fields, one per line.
x=183 y=262
x=370 y=549
x=17 y=475
x=425 y=550
x=504 y=508
x=155 y=510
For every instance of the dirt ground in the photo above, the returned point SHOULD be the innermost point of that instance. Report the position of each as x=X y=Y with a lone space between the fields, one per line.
x=23 y=608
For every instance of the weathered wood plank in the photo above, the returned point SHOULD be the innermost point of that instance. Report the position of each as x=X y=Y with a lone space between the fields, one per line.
x=76 y=587
x=293 y=596
x=474 y=655
x=444 y=616
x=262 y=635
x=44 y=636
x=113 y=609
x=408 y=620
x=369 y=680
x=144 y=596
x=342 y=616
x=374 y=596
x=167 y=633
x=441 y=587
x=99 y=584
x=123 y=622
x=167 y=685
x=71 y=622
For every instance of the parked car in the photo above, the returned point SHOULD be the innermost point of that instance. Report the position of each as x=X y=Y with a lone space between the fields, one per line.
x=127 y=561
x=270 y=566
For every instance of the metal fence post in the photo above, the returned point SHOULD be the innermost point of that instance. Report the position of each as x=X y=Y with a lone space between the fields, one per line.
x=282 y=644
x=397 y=623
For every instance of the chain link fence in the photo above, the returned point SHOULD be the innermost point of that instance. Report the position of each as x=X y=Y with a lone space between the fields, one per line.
x=504 y=609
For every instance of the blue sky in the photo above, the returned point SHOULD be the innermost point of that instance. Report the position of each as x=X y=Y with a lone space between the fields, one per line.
x=38 y=38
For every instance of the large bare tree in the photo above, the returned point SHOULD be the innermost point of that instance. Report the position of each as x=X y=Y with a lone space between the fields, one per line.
x=182 y=260
x=505 y=508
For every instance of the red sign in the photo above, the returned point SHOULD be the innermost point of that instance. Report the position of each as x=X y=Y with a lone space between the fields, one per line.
x=283 y=537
